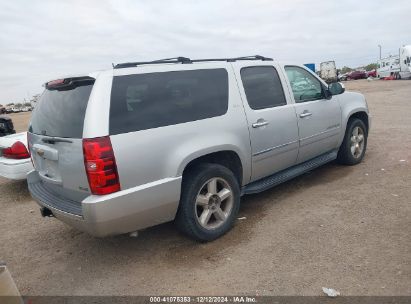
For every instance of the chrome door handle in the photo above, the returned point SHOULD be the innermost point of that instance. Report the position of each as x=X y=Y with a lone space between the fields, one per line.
x=305 y=114
x=260 y=123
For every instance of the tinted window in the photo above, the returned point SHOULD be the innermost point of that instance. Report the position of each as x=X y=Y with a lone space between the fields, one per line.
x=263 y=87
x=304 y=85
x=61 y=112
x=145 y=101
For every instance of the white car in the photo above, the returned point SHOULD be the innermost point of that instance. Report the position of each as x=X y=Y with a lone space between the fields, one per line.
x=15 y=161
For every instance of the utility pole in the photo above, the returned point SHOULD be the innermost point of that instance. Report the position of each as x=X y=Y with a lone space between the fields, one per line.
x=380 y=50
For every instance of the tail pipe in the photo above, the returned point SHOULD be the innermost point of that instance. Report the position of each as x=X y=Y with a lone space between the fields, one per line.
x=46 y=212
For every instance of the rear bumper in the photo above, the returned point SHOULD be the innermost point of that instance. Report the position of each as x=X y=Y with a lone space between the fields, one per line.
x=117 y=213
x=15 y=169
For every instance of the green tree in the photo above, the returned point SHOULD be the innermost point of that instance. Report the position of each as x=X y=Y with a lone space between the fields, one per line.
x=371 y=66
x=346 y=69
x=10 y=104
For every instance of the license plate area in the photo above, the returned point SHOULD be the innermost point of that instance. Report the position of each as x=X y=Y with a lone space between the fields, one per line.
x=46 y=162
x=50 y=169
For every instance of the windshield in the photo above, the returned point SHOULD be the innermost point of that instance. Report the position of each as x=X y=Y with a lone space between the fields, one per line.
x=61 y=113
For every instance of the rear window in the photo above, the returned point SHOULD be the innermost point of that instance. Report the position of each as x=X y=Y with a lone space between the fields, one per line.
x=61 y=112
x=152 y=100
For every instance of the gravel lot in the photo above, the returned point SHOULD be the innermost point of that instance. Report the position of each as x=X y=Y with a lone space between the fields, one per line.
x=348 y=228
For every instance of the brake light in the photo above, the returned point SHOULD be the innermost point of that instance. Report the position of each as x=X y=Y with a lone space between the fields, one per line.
x=100 y=165
x=55 y=82
x=17 y=151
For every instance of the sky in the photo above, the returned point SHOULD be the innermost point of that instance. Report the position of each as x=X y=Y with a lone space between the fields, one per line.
x=41 y=40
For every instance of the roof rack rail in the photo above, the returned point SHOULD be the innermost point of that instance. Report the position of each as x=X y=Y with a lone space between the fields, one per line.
x=184 y=60
x=166 y=60
x=253 y=57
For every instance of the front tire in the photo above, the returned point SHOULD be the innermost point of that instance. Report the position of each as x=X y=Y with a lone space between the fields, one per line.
x=209 y=203
x=353 y=148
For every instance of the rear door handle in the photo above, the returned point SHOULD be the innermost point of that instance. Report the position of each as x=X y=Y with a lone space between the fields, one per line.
x=260 y=123
x=305 y=114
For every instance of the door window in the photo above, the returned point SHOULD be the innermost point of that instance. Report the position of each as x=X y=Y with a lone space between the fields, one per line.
x=305 y=86
x=153 y=100
x=262 y=87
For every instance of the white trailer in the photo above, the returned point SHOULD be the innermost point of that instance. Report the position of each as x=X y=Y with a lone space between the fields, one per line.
x=328 y=71
x=405 y=62
x=398 y=66
x=388 y=66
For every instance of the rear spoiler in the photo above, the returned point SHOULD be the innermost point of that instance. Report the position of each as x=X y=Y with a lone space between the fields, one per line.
x=69 y=83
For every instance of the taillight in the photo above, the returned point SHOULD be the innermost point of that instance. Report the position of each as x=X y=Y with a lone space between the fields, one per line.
x=100 y=165
x=17 y=151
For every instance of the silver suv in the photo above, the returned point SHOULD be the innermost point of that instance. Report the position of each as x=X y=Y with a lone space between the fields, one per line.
x=179 y=139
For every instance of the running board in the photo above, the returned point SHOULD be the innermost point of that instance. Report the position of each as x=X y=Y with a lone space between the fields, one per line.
x=287 y=174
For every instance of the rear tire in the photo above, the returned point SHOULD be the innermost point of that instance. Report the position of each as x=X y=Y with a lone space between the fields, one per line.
x=209 y=203
x=353 y=148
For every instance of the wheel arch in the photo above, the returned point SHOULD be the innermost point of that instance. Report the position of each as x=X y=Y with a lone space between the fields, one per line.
x=361 y=115
x=227 y=158
x=353 y=104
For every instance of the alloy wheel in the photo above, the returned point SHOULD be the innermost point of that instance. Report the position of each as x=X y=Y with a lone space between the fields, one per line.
x=357 y=142
x=214 y=203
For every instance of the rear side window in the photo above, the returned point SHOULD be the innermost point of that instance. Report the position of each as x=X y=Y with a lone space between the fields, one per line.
x=146 y=101
x=262 y=87
x=61 y=113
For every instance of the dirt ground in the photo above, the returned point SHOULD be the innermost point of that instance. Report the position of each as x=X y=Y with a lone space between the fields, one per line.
x=348 y=228
x=20 y=120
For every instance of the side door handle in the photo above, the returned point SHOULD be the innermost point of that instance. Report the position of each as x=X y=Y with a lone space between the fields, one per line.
x=305 y=114
x=260 y=123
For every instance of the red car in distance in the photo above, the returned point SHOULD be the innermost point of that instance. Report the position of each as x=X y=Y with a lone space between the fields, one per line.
x=354 y=75
x=372 y=73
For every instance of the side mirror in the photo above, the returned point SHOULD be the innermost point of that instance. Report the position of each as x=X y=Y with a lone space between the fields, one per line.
x=336 y=88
